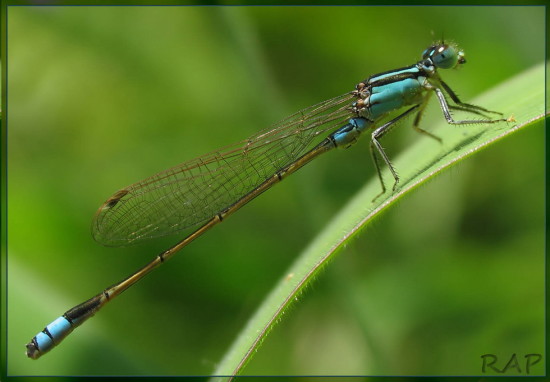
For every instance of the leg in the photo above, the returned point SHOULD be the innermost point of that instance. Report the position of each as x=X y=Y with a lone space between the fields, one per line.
x=465 y=106
x=468 y=110
x=445 y=108
x=375 y=144
x=419 y=116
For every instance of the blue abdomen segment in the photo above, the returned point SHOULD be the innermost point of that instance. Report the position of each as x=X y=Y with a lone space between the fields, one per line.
x=348 y=134
x=49 y=337
x=54 y=333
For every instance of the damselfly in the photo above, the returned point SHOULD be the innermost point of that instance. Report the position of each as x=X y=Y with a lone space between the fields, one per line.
x=207 y=189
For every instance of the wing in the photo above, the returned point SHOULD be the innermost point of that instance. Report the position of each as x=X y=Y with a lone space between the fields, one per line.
x=195 y=191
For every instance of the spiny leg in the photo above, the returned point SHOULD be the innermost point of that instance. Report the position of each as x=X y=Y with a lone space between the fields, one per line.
x=468 y=110
x=446 y=112
x=378 y=171
x=465 y=106
x=418 y=117
x=374 y=143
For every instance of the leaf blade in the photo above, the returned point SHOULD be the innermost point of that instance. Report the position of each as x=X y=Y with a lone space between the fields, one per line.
x=522 y=95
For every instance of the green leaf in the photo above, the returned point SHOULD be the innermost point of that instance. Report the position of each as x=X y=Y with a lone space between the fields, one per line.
x=521 y=96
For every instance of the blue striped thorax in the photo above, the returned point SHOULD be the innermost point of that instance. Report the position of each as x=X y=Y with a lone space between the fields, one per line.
x=388 y=91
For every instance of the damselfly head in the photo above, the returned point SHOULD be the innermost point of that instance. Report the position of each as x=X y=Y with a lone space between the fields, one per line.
x=444 y=55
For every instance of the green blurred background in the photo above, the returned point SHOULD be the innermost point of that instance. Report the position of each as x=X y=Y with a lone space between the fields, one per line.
x=101 y=97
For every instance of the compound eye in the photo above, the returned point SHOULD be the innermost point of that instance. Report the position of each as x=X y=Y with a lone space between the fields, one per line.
x=446 y=56
x=427 y=54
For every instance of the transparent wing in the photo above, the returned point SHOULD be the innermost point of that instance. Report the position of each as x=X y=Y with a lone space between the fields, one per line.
x=195 y=191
